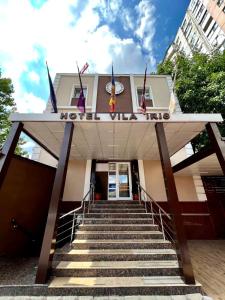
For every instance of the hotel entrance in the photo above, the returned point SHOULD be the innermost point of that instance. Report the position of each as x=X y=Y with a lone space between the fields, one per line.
x=119 y=181
x=113 y=180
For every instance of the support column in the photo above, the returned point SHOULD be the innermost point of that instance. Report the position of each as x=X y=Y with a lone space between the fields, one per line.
x=48 y=244
x=173 y=202
x=9 y=148
x=217 y=143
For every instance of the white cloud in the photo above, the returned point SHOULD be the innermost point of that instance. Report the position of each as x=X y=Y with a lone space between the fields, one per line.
x=65 y=40
x=33 y=76
x=146 y=23
x=28 y=102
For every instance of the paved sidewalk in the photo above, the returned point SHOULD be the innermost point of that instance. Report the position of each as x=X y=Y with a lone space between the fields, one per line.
x=187 y=297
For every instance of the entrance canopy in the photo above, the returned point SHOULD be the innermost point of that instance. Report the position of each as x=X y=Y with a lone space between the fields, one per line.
x=114 y=136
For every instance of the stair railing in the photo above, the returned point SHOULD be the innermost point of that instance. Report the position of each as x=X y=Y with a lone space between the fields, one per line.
x=159 y=216
x=69 y=221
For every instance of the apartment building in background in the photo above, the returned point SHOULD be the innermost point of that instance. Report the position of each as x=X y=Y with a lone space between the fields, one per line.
x=202 y=29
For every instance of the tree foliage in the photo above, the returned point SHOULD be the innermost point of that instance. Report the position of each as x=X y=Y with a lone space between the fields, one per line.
x=199 y=85
x=7 y=106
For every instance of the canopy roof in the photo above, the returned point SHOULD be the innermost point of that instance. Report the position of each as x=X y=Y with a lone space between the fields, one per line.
x=108 y=139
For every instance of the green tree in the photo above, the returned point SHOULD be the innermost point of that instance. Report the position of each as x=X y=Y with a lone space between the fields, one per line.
x=7 y=106
x=199 y=85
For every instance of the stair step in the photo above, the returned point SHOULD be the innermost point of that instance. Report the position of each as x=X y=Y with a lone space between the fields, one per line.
x=116 y=227
x=104 y=286
x=116 y=202
x=117 y=268
x=116 y=206
x=118 y=235
x=116 y=210
x=121 y=244
x=117 y=221
x=118 y=215
x=116 y=255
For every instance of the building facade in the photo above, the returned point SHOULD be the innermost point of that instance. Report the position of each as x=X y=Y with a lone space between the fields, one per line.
x=202 y=29
x=121 y=156
x=108 y=161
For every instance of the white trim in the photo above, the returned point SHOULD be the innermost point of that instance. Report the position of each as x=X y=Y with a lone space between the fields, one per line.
x=133 y=95
x=107 y=74
x=72 y=92
x=95 y=92
x=174 y=118
x=141 y=173
x=87 y=179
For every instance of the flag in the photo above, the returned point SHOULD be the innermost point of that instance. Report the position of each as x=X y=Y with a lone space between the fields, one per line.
x=112 y=100
x=143 y=103
x=52 y=92
x=81 y=101
x=84 y=68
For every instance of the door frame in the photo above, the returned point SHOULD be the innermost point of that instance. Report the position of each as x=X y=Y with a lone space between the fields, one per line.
x=117 y=181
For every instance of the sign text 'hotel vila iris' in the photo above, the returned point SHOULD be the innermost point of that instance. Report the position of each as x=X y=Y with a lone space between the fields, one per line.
x=114 y=116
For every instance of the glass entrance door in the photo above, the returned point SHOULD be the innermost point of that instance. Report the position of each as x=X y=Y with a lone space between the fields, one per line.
x=119 y=181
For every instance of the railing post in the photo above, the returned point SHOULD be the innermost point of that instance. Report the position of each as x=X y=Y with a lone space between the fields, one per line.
x=48 y=244
x=161 y=222
x=173 y=202
x=153 y=220
x=72 y=231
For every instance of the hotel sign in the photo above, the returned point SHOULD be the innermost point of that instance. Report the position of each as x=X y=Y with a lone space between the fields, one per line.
x=115 y=116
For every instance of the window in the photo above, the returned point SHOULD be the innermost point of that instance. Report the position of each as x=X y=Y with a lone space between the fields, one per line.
x=148 y=96
x=196 y=6
x=219 y=2
x=213 y=29
x=200 y=12
x=76 y=95
x=203 y=18
x=207 y=24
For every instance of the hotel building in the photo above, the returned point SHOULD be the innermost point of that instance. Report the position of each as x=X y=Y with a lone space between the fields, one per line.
x=124 y=177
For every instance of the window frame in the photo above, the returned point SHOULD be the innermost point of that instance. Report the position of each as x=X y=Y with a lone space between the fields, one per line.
x=150 y=94
x=72 y=93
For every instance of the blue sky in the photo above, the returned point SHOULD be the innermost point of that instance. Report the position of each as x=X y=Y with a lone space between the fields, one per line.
x=127 y=32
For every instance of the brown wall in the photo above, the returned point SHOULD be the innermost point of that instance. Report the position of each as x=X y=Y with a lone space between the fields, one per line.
x=123 y=100
x=25 y=196
x=197 y=220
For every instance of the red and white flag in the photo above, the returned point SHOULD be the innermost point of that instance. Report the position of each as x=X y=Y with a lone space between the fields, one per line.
x=84 y=68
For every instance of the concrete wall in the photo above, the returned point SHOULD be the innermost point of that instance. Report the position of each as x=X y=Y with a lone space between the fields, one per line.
x=159 y=88
x=66 y=87
x=74 y=186
x=155 y=184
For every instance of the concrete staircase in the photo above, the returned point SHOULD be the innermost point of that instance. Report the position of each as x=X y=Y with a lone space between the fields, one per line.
x=118 y=251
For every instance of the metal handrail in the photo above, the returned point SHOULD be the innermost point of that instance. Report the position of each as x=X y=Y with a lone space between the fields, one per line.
x=74 y=213
x=166 y=229
x=154 y=201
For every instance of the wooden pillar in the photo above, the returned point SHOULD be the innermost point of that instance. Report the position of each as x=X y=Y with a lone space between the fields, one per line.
x=217 y=143
x=173 y=202
x=9 y=148
x=48 y=244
